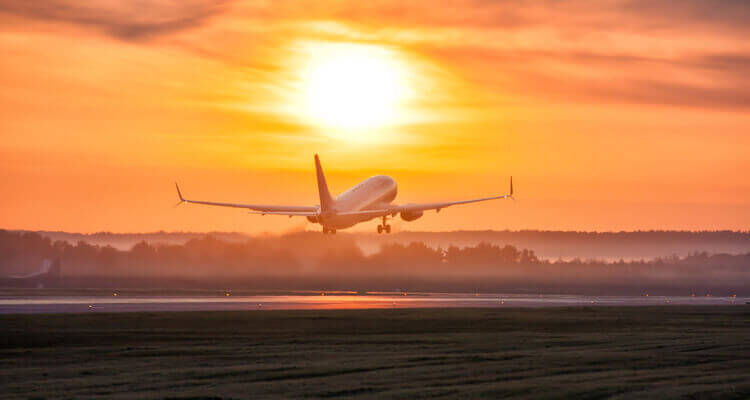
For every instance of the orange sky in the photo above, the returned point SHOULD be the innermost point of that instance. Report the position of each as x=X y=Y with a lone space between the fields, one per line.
x=612 y=115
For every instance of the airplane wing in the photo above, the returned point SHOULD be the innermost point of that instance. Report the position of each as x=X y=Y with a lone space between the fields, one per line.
x=289 y=213
x=425 y=206
x=262 y=208
x=371 y=213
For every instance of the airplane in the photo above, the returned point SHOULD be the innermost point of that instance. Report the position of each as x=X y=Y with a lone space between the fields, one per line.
x=48 y=274
x=372 y=198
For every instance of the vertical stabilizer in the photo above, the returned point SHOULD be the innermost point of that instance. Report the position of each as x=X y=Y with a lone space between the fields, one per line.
x=326 y=201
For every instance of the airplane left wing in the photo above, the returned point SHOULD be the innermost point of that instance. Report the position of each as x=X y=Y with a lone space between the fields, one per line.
x=262 y=208
x=289 y=213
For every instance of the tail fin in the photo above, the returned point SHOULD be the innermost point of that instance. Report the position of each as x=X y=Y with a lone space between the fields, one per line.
x=46 y=265
x=326 y=201
x=55 y=270
x=50 y=269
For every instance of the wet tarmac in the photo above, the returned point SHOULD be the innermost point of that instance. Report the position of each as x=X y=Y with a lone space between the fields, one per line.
x=120 y=303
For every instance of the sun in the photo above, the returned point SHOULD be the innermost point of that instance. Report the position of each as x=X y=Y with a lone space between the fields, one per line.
x=353 y=86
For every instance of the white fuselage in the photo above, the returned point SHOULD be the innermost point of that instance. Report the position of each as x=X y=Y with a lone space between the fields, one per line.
x=373 y=193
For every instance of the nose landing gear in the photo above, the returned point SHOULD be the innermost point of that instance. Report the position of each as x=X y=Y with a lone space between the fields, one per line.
x=384 y=226
x=327 y=230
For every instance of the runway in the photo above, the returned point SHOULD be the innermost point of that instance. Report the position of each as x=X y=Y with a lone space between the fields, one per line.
x=122 y=303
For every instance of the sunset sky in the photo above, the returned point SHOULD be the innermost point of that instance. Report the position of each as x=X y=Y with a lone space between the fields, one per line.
x=610 y=115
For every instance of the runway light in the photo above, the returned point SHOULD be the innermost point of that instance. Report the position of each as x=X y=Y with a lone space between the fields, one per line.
x=91 y=306
x=226 y=294
x=114 y=294
x=323 y=294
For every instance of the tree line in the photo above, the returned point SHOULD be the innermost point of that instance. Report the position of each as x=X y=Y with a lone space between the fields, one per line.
x=311 y=253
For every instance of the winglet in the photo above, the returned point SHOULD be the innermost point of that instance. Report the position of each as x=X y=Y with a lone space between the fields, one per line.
x=326 y=201
x=511 y=186
x=178 y=192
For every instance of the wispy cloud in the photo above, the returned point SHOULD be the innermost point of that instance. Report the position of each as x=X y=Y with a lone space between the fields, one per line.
x=128 y=20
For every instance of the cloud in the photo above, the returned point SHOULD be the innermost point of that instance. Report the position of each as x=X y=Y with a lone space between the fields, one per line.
x=718 y=81
x=681 y=53
x=725 y=15
x=128 y=20
x=677 y=54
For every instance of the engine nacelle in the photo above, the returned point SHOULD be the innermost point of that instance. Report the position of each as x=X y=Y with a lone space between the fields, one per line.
x=313 y=219
x=411 y=215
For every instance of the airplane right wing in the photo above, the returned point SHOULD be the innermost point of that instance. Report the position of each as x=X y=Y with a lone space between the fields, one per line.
x=261 y=208
x=393 y=210
x=441 y=205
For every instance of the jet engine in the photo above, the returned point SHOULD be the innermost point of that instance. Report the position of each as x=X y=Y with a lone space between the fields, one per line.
x=411 y=215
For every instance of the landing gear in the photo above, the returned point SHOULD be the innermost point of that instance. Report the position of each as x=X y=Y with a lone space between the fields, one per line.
x=384 y=226
x=327 y=230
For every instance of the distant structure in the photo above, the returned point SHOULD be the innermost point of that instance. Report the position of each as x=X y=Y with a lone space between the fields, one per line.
x=48 y=275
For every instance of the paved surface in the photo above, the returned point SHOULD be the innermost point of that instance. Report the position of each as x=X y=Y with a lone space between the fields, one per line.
x=120 y=303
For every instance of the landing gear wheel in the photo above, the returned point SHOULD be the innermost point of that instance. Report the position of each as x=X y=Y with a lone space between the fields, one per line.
x=332 y=231
x=384 y=226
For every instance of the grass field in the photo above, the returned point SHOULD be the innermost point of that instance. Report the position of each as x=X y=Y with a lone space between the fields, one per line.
x=582 y=353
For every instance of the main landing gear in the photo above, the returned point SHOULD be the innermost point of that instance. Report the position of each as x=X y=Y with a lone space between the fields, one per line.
x=384 y=227
x=327 y=230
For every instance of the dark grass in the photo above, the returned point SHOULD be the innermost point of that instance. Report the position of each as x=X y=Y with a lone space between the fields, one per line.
x=687 y=352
